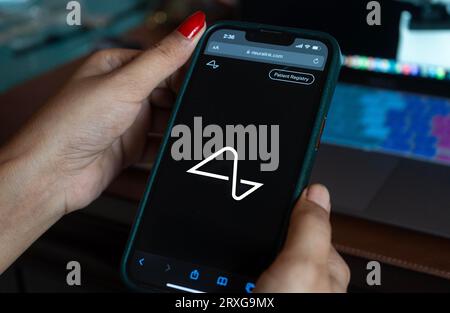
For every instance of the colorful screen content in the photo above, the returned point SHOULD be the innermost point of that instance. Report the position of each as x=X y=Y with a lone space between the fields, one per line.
x=402 y=123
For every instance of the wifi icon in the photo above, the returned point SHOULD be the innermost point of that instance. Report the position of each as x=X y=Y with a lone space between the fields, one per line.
x=307 y=46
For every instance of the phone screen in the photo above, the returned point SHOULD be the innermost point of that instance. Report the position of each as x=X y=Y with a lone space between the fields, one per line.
x=217 y=207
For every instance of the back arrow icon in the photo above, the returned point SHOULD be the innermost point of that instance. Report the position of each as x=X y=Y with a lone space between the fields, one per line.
x=141 y=261
x=167 y=267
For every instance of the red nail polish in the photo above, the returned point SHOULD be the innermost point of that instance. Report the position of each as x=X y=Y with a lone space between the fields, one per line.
x=192 y=25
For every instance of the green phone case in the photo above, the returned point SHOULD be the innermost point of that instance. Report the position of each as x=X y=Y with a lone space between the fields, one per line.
x=334 y=64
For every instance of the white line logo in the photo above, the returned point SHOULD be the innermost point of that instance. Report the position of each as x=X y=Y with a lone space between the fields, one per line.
x=194 y=170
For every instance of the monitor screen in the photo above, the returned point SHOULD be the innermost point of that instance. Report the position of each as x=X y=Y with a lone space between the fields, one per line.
x=402 y=123
x=393 y=92
x=413 y=38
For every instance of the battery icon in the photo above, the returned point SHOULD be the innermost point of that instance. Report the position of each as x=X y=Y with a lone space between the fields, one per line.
x=315 y=48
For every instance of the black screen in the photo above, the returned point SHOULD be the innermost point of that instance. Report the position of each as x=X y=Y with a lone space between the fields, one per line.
x=244 y=95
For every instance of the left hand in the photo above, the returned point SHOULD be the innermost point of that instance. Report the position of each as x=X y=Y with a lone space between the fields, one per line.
x=69 y=152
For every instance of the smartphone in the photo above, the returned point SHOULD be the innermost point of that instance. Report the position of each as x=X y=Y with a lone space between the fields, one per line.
x=236 y=155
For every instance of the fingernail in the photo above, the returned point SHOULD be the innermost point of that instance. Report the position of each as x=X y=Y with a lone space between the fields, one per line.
x=319 y=195
x=192 y=25
x=304 y=193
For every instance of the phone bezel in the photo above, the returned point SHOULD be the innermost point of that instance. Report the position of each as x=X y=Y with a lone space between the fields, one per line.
x=332 y=66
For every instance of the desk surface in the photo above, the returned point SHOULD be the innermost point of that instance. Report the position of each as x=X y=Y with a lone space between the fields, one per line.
x=387 y=244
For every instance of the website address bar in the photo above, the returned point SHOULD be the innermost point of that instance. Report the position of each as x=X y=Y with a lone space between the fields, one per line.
x=259 y=54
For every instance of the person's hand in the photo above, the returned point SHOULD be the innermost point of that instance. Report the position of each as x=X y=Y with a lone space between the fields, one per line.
x=72 y=148
x=69 y=152
x=308 y=261
x=98 y=123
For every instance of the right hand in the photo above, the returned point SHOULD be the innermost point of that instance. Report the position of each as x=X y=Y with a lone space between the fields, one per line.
x=308 y=261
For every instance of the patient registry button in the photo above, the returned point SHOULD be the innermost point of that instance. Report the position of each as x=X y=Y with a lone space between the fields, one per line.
x=291 y=76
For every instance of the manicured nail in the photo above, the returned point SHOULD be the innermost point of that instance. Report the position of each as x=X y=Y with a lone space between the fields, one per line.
x=192 y=25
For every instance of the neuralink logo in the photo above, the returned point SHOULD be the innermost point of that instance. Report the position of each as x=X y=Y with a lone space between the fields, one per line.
x=262 y=142
x=232 y=142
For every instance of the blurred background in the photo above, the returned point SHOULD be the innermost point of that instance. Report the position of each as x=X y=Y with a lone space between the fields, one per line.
x=35 y=38
x=34 y=35
x=386 y=151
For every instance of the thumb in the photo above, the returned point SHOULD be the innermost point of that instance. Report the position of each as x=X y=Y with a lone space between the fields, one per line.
x=154 y=65
x=305 y=253
x=309 y=234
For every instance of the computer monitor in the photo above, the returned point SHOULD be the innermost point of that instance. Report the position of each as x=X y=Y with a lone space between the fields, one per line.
x=385 y=155
x=412 y=120
x=394 y=90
